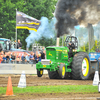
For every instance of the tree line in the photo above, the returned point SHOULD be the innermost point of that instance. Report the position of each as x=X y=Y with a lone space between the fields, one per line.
x=33 y=8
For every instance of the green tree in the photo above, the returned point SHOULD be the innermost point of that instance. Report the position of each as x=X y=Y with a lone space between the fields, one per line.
x=7 y=19
x=47 y=41
x=33 y=8
x=86 y=46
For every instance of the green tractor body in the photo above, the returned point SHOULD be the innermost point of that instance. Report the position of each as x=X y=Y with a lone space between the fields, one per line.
x=59 y=65
x=55 y=56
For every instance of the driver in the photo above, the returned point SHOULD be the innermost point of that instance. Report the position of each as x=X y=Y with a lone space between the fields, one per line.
x=71 y=47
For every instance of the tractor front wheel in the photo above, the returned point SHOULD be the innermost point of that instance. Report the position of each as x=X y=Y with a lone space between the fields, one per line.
x=62 y=71
x=53 y=74
x=81 y=66
x=39 y=73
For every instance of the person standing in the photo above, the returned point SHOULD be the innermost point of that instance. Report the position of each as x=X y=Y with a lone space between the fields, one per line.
x=43 y=53
x=19 y=44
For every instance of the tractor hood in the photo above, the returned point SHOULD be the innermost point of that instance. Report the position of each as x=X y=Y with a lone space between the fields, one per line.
x=57 y=53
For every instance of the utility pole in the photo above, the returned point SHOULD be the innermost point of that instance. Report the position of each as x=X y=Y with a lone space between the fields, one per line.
x=90 y=36
x=16 y=28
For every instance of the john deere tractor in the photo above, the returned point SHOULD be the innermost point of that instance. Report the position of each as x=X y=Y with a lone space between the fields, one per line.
x=60 y=65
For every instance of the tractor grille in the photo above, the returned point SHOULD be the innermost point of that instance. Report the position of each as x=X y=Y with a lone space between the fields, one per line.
x=45 y=62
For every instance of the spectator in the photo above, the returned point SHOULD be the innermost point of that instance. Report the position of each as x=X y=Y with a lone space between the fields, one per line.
x=43 y=53
x=8 y=57
x=38 y=57
x=23 y=58
x=13 y=58
x=34 y=55
x=1 y=58
x=19 y=44
x=18 y=58
x=31 y=58
x=4 y=59
x=2 y=52
x=27 y=58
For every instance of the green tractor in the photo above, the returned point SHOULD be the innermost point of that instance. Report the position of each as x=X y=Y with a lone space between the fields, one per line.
x=59 y=65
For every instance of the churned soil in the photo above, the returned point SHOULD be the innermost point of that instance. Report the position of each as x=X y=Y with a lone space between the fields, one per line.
x=33 y=80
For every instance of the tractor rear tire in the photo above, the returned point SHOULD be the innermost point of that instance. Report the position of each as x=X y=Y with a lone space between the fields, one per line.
x=53 y=74
x=80 y=66
x=62 y=71
x=39 y=73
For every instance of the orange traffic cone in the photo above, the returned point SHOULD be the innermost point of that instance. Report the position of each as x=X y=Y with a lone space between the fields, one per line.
x=9 y=87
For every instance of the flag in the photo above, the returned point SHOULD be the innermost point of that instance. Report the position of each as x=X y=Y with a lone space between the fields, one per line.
x=24 y=21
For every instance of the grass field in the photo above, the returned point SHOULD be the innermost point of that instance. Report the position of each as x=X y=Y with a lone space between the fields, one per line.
x=54 y=89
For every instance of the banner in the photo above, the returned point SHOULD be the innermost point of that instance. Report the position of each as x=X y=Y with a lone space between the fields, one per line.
x=24 y=21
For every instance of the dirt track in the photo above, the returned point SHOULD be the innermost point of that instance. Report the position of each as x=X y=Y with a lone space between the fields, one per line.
x=44 y=80
x=37 y=81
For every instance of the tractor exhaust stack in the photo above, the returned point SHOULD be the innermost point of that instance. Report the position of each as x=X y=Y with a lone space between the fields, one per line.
x=57 y=42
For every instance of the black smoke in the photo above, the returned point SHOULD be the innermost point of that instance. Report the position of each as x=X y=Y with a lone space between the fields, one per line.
x=70 y=13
